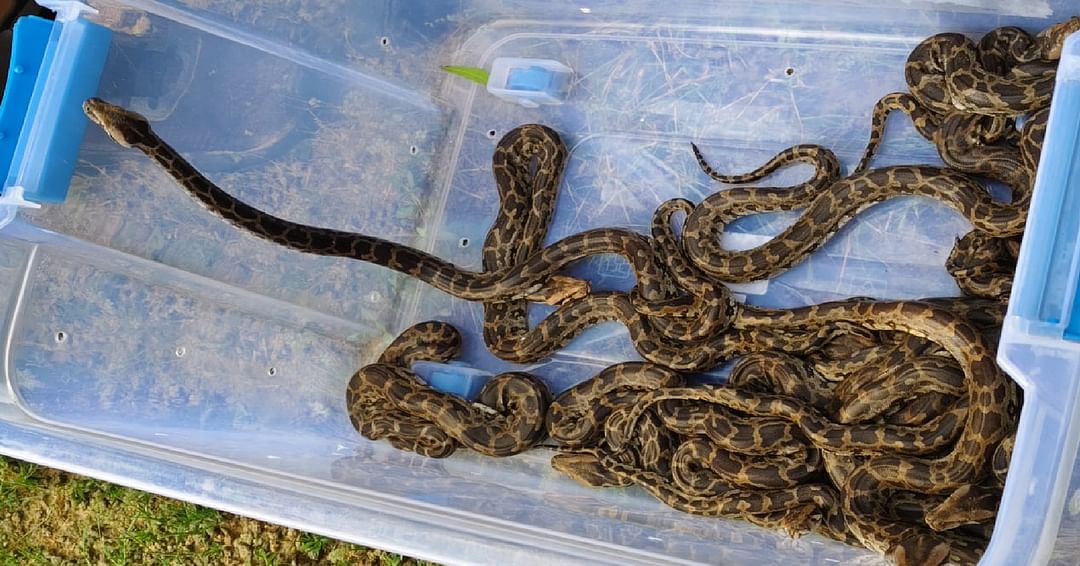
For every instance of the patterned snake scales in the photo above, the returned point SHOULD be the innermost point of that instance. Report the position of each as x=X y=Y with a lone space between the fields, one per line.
x=962 y=97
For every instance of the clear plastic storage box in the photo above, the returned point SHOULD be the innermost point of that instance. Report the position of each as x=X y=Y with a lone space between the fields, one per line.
x=149 y=343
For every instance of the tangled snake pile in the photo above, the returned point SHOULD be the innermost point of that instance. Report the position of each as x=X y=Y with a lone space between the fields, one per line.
x=877 y=423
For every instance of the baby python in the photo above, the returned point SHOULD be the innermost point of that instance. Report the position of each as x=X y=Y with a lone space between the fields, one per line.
x=530 y=278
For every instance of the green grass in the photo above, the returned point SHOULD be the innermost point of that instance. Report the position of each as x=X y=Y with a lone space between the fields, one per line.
x=313 y=546
x=51 y=517
x=16 y=481
x=390 y=559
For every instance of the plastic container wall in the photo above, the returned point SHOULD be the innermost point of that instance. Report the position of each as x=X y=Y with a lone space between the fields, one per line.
x=149 y=343
x=1039 y=347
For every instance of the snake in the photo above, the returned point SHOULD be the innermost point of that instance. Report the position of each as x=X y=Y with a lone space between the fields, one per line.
x=927 y=379
x=968 y=508
x=907 y=542
x=694 y=474
x=130 y=129
x=527 y=164
x=982 y=263
x=375 y=417
x=824 y=161
x=942 y=430
x=764 y=507
x=829 y=212
x=784 y=374
x=929 y=101
x=1009 y=73
x=592 y=467
x=387 y=400
x=691 y=420
x=707 y=301
x=991 y=401
x=984 y=266
x=901 y=387
x=661 y=489
x=991 y=414
x=568 y=321
x=993 y=404
x=528 y=160
x=575 y=416
x=528 y=279
x=507 y=419
x=968 y=143
x=701 y=469
x=527 y=167
x=723 y=468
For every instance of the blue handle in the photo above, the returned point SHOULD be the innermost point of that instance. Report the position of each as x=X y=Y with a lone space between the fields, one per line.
x=55 y=67
x=1045 y=291
x=29 y=39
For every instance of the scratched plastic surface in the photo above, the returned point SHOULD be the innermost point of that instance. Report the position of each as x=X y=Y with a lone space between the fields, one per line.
x=149 y=343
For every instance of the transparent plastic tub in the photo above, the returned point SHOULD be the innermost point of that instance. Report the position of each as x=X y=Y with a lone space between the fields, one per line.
x=148 y=343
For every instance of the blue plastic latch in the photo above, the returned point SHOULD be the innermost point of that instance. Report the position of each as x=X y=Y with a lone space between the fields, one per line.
x=55 y=66
x=1045 y=300
x=454 y=378
x=30 y=36
x=529 y=82
x=532 y=79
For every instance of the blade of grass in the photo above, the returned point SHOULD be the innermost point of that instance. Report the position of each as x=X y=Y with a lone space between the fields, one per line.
x=474 y=74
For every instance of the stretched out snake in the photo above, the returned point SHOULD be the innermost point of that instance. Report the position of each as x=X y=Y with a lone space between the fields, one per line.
x=528 y=165
x=531 y=278
x=830 y=211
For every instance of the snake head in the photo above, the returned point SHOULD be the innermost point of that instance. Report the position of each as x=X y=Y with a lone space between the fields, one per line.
x=1052 y=39
x=127 y=128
